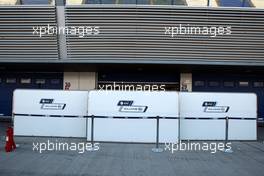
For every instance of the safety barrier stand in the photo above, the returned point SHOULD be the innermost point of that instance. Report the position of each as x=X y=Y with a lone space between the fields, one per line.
x=92 y=133
x=227 y=150
x=157 y=149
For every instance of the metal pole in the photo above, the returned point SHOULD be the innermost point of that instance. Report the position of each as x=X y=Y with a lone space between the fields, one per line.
x=157 y=133
x=208 y=3
x=157 y=149
x=226 y=131
x=226 y=136
x=92 y=131
x=179 y=130
x=86 y=127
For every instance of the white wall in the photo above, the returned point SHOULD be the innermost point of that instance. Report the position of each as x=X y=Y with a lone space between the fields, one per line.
x=258 y=3
x=9 y=2
x=79 y=80
x=186 y=82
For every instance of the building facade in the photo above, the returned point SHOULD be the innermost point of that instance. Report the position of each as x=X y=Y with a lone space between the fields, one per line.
x=184 y=45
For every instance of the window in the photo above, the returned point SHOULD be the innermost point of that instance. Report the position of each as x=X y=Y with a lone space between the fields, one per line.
x=258 y=84
x=126 y=2
x=107 y=1
x=199 y=83
x=40 y=81
x=93 y=2
x=151 y=2
x=229 y=84
x=243 y=83
x=179 y=2
x=143 y=2
x=55 y=81
x=29 y=2
x=25 y=81
x=162 y=2
x=213 y=83
x=235 y=3
x=11 y=80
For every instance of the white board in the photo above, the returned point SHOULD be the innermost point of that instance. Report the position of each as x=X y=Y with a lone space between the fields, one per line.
x=217 y=105
x=50 y=113
x=50 y=102
x=61 y=113
x=133 y=130
x=202 y=129
x=139 y=103
x=125 y=130
x=133 y=104
x=242 y=130
x=50 y=126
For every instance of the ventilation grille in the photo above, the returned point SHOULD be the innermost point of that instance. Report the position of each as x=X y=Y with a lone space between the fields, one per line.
x=16 y=33
x=138 y=34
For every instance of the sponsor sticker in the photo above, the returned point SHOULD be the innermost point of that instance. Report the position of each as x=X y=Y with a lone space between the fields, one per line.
x=216 y=109
x=210 y=107
x=127 y=106
x=47 y=104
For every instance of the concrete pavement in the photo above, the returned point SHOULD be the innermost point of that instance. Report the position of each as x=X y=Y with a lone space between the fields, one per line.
x=119 y=159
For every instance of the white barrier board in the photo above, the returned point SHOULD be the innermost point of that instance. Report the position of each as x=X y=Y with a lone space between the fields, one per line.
x=50 y=126
x=133 y=104
x=37 y=113
x=60 y=113
x=217 y=105
x=50 y=102
x=202 y=129
x=134 y=130
x=125 y=130
x=242 y=130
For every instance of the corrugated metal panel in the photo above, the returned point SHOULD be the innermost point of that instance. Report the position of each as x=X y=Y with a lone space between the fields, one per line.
x=137 y=33
x=17 y=41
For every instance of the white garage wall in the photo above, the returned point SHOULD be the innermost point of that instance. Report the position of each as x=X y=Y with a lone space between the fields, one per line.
x=79 y=80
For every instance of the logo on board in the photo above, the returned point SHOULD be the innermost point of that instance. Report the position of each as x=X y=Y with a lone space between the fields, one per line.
x=48 y=104
x=210 y=107
x=127 y=106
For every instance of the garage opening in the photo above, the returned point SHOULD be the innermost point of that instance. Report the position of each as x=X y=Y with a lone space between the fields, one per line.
x=138 y=81
x=28 y=80
x=253 y=83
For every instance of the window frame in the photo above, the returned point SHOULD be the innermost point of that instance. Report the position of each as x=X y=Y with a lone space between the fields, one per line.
x=199 y=84
x=253 y=84
x=10 y=78
x=21 y=81
x=229 y=86
x=210 y=85
x=241 y=85
x=40 y=79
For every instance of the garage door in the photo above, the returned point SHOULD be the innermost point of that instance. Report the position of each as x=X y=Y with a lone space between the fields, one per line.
x=232 y=83
x=11 y=81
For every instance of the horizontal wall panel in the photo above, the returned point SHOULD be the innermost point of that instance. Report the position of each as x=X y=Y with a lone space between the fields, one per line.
x=129 y=33
x=17 y=41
